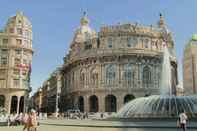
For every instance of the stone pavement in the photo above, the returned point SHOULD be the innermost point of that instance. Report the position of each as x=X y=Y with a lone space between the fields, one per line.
x=65 y=128
x=96 y=125
x=116 y=124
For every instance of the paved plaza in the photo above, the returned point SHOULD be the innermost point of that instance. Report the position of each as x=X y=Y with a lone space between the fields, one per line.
x=96 y=125
x=65 y=128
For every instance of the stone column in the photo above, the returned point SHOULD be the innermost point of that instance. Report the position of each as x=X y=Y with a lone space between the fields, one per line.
x=8 y=103
x=25 y=103
x=86 y=103
x=119 y=102
x=18 y=104
x=101 y=103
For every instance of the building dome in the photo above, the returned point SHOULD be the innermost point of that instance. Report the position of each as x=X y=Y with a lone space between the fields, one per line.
x=19 y=19
x=84 y=32
x=193 y=41
x=84 y=19
x=194 y=37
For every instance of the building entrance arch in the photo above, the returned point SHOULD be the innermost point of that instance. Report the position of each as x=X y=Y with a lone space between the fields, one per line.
x=14 y=103
x=110 y=103
x=21 y=104
x=93 y=103
x=128 y=98
x=81 y=104
x=2 y=101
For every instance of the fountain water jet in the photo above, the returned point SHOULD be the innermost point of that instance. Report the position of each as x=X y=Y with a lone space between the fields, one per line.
x=164 y=105
x=166 y=88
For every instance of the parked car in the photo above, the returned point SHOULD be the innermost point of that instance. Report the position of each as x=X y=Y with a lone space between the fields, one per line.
x=73 y=113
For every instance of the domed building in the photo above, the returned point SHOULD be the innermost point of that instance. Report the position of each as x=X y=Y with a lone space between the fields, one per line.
x=106 y=69
x=15 y=63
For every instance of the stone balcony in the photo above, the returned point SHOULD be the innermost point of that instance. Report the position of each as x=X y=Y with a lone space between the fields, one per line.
x=112 y=52
x=15 y=46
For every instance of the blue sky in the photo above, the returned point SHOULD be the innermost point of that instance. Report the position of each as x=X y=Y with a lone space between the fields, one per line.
x=54 y=22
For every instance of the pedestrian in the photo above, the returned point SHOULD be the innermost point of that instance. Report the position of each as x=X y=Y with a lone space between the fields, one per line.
x=32 y=121
x=102 y=115
x=183 y=120
x=25 y=118
x=8 y=120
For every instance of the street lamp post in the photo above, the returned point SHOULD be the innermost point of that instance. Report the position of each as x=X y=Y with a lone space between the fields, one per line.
x=58 y=94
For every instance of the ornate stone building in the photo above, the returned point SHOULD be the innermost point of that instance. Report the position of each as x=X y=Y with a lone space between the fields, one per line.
x=47 y=97
x=104 y=70
x=190 y=67
x=15 y=63
x=36 y=100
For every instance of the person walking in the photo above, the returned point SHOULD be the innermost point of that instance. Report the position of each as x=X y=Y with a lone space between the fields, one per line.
x=183 y=120
x=25 y=118
x=32 y=121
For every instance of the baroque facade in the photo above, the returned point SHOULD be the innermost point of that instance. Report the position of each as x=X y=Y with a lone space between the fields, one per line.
x=190 y=66
x=105 y=70
x=15 y=63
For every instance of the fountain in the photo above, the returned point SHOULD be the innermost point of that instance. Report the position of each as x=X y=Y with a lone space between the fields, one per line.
x=165 y=105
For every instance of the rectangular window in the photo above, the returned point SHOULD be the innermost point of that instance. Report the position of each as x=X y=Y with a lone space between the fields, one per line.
x=25 y=53
x=129 y=42
x=18 y=41
x=26 y=42
x=16 y=82
x=11 y=30
x=24 y=72
x=25 y=83
x=5 y=41
x=4 y=51
x=17 y=61
x=110 y=42
x=2 y=72
x=17 y=51
x=146 y=43
x=27 y=33
x=4 y=61
x=25 y=61
x=19 y=31
x=2 y=83
x=16 y=72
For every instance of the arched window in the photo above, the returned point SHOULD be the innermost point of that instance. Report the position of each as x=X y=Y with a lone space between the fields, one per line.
x=87 y=36
x=146 y=77
x=128 y=74
x=110 y=42
x=146 y=43
x=128 y=98
x=110 y=74
x=87 y=41
x=131 y=41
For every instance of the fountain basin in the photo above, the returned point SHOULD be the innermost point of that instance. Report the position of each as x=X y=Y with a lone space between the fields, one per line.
x=157 y=106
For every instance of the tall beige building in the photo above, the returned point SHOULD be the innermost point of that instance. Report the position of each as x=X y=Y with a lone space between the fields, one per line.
x=15 y=63
x=190 y=66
